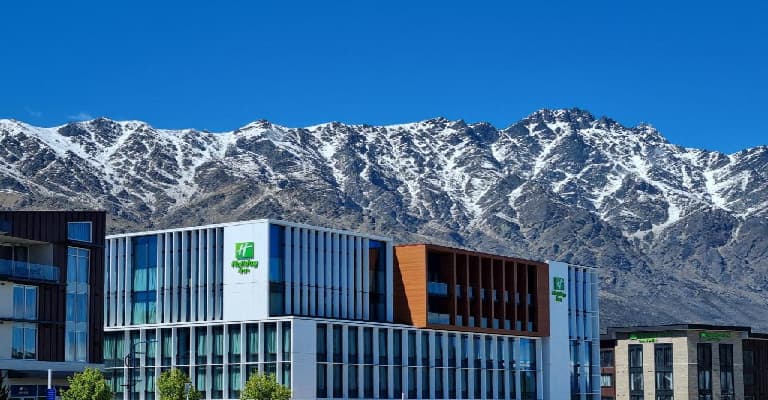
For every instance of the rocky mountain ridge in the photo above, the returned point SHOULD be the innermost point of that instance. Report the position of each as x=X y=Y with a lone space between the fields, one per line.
x=680 y=234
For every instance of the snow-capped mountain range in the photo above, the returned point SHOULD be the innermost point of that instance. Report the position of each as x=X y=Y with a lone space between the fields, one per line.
x=680 y=234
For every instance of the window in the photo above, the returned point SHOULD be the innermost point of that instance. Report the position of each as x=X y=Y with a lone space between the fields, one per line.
x=397 y=381
x=663 y=366
x=270 y=342
x=368 y=345
x=438 y=349
x=218 y=345
x=726 y=372
x=337 y=345
x=606 y=380
x=24 y=302
x=276 y=270
x=201 y=354
x=368 y=381
x=234 y=381
x=397 y=347
x=286 y=341
x=321 y=380
x=182 y=346
x=166 y=343
x=144 y=271
x=234 y=343
x=80 y=231
x=377 y=255
x=352 y=377
x=704 y=368
x=425 y=349
x=352 y=341
x=76 y=325
x=24 y=341
x=383 y=376
x=412 y=382
x=338 y=381
x=218 y=381
x=606 y=358
x=411 y=348
x=636 y=370
x=252 y=342
x=322 y=345
x=749 y=367
x=383 y=347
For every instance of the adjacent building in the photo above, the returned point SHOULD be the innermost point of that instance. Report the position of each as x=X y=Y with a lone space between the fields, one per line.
x=686 y=361
x=51 y=298
x=339 y=314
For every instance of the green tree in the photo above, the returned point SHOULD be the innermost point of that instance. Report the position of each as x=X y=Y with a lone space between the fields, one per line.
x=3 y=387
x=171 y=386
x=264 y=387
x=88 y=385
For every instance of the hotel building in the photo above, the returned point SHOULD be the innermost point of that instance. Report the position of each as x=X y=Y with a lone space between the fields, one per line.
x=686 y=361
x=339 y=314
x=51 y=299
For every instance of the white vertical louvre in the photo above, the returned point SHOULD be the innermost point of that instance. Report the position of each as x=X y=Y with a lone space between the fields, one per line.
x=296 y=266
x=210 y=267
x=311 y=246
x=336 y=267
x=344 y=276
x=358 y=277
x=193 y=274
x=322 y=286
x=304 y=272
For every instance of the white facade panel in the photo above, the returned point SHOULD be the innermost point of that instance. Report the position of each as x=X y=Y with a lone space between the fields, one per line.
x=246 y=295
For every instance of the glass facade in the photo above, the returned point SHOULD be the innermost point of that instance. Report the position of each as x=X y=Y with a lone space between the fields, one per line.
x=276 y=270
x=417 y=364
x=218 y=366
x=377 y=263
x=78 y=288
x=144 y=272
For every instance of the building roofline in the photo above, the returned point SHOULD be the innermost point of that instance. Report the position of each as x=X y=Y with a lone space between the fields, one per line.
x=465 y=250
x=252 y=221
x=674 y=327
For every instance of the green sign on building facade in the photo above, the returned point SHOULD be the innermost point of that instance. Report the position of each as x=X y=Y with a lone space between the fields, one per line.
x=244 y=258
x=558 y=288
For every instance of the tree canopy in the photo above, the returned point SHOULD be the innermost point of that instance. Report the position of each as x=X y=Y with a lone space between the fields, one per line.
x=170 y=386
x=88 y=385
x=264 y=387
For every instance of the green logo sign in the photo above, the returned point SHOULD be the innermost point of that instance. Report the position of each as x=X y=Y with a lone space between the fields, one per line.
x=714 y=336
x=244 y=258
x=558 y=289
x=643 y=337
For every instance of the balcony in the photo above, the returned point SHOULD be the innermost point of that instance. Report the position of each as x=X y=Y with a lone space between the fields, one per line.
x=437 y=288
x=29 y=271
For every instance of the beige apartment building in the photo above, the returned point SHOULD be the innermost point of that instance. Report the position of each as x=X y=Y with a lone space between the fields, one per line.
x=689 y=361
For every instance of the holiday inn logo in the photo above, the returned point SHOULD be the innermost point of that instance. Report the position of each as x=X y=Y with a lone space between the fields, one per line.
x=244 y=258
x=244 y=251
x=558 y=288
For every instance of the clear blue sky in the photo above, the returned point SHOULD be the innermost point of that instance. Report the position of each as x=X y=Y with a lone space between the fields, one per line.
x=697 y=71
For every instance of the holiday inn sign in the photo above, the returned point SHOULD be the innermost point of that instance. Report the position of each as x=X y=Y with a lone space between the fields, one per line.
x=244 y=258
x=558 y=288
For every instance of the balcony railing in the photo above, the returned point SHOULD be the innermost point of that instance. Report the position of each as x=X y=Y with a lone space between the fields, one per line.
x=437 y=288
x=28 y=270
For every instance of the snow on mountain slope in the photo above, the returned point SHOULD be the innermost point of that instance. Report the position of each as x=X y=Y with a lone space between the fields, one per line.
x=557 y=184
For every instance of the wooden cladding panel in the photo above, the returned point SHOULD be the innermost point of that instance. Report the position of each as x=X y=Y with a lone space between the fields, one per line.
x=410 y=286
x=483 y=273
